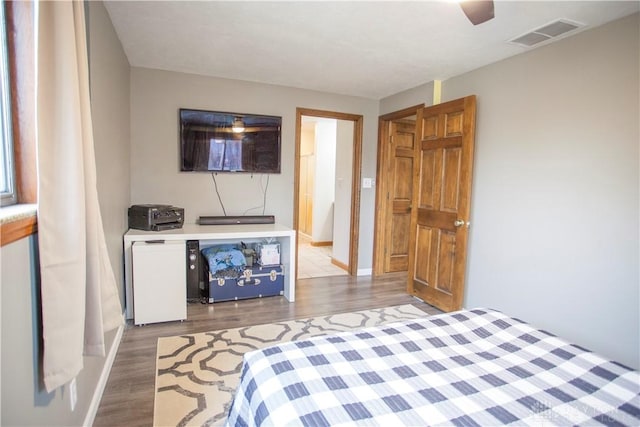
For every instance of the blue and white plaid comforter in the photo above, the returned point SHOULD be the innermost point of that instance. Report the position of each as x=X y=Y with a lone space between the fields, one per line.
x=469 y=368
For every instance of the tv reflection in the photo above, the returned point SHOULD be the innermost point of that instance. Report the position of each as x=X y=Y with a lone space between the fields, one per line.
x=225 y=154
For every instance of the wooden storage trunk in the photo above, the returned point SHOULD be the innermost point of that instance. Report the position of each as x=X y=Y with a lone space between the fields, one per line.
x=254 y=282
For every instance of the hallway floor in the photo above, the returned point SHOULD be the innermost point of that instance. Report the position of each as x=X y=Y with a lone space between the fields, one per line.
x=315 y=261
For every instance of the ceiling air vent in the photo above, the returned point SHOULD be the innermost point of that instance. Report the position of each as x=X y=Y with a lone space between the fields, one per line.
x=548 y=32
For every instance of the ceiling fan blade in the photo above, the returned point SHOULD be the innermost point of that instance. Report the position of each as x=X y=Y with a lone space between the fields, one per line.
x=478 y=11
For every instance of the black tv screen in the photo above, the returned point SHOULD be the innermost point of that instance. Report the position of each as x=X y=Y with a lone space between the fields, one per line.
x=213 y=141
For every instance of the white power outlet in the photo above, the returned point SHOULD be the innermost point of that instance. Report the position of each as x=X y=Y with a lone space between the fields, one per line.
x=73 y=394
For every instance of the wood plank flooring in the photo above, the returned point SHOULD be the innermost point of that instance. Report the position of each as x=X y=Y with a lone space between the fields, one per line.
x=129 y=393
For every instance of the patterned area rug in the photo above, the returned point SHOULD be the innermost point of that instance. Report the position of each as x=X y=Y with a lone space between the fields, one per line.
x=196 y=375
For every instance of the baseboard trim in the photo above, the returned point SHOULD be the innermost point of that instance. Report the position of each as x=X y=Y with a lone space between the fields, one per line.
x=330 y=243
x=104 y=376
x=340 y=264
x=364 y=272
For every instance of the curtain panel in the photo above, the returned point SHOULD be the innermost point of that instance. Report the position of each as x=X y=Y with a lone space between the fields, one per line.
x=80 y=299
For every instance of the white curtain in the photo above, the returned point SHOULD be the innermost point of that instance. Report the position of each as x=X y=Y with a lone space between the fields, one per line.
x=79 y=294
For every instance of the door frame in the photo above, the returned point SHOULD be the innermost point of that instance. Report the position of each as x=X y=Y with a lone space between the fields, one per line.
x=355 y=180
x=382 y=184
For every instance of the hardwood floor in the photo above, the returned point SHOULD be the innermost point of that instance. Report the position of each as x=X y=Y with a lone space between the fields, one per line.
x=129 y=393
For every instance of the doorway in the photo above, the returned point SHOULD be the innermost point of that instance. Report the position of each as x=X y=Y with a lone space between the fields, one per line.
x=326 y=192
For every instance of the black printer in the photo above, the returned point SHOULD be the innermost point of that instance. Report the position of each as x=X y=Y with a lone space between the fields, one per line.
x=155 y=217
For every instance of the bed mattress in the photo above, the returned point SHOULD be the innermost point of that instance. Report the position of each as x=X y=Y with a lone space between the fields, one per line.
x=469 y=368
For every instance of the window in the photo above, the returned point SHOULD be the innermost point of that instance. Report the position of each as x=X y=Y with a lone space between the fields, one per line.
x=7 y=178
x=18 y=174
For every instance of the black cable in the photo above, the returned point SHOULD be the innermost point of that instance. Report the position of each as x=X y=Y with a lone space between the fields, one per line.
x=213 y=176
x=264 y=197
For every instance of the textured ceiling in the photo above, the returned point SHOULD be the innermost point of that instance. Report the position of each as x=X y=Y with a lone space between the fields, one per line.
x=360 y=48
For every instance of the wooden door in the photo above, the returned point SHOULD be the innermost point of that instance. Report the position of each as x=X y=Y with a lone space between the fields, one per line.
x=400 y=194
x=307 y=179
x=442 y=196
x=307 y=171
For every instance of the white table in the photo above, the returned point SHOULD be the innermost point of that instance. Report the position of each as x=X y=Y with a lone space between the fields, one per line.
x=216 y=234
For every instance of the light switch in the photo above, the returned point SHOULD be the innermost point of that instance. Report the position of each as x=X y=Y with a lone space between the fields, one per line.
x=366 y=182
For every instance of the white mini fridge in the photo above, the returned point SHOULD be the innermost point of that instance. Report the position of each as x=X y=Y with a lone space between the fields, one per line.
x=159 y=281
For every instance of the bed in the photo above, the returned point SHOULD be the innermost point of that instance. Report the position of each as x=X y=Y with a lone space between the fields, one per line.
x=469 y=368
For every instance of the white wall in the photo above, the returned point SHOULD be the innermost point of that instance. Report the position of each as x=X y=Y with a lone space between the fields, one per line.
x=344 y=175
x=156 y=97
x=109 y=74
x=325 y=172
x=422 y=94
x=555 y=210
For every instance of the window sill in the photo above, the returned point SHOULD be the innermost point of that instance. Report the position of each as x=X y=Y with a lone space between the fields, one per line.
x=17 y=222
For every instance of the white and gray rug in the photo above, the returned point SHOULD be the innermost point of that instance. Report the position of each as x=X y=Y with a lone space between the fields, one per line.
x=197 y=374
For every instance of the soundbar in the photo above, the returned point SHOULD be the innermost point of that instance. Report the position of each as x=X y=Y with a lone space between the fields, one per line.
x=244 y=219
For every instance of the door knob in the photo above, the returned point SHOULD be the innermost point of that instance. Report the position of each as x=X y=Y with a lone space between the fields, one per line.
x=458 y=223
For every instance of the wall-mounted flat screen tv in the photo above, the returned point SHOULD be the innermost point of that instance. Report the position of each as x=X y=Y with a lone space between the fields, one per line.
x=212 y=141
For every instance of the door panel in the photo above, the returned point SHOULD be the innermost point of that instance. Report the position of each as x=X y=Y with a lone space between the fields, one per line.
x=430 y=127
x=451 y=179
x=442 y=189
x=454 y=124
x=423 y=272
x=446 y=258
x=403 y=178
x=400 y=241
x=427 y=196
